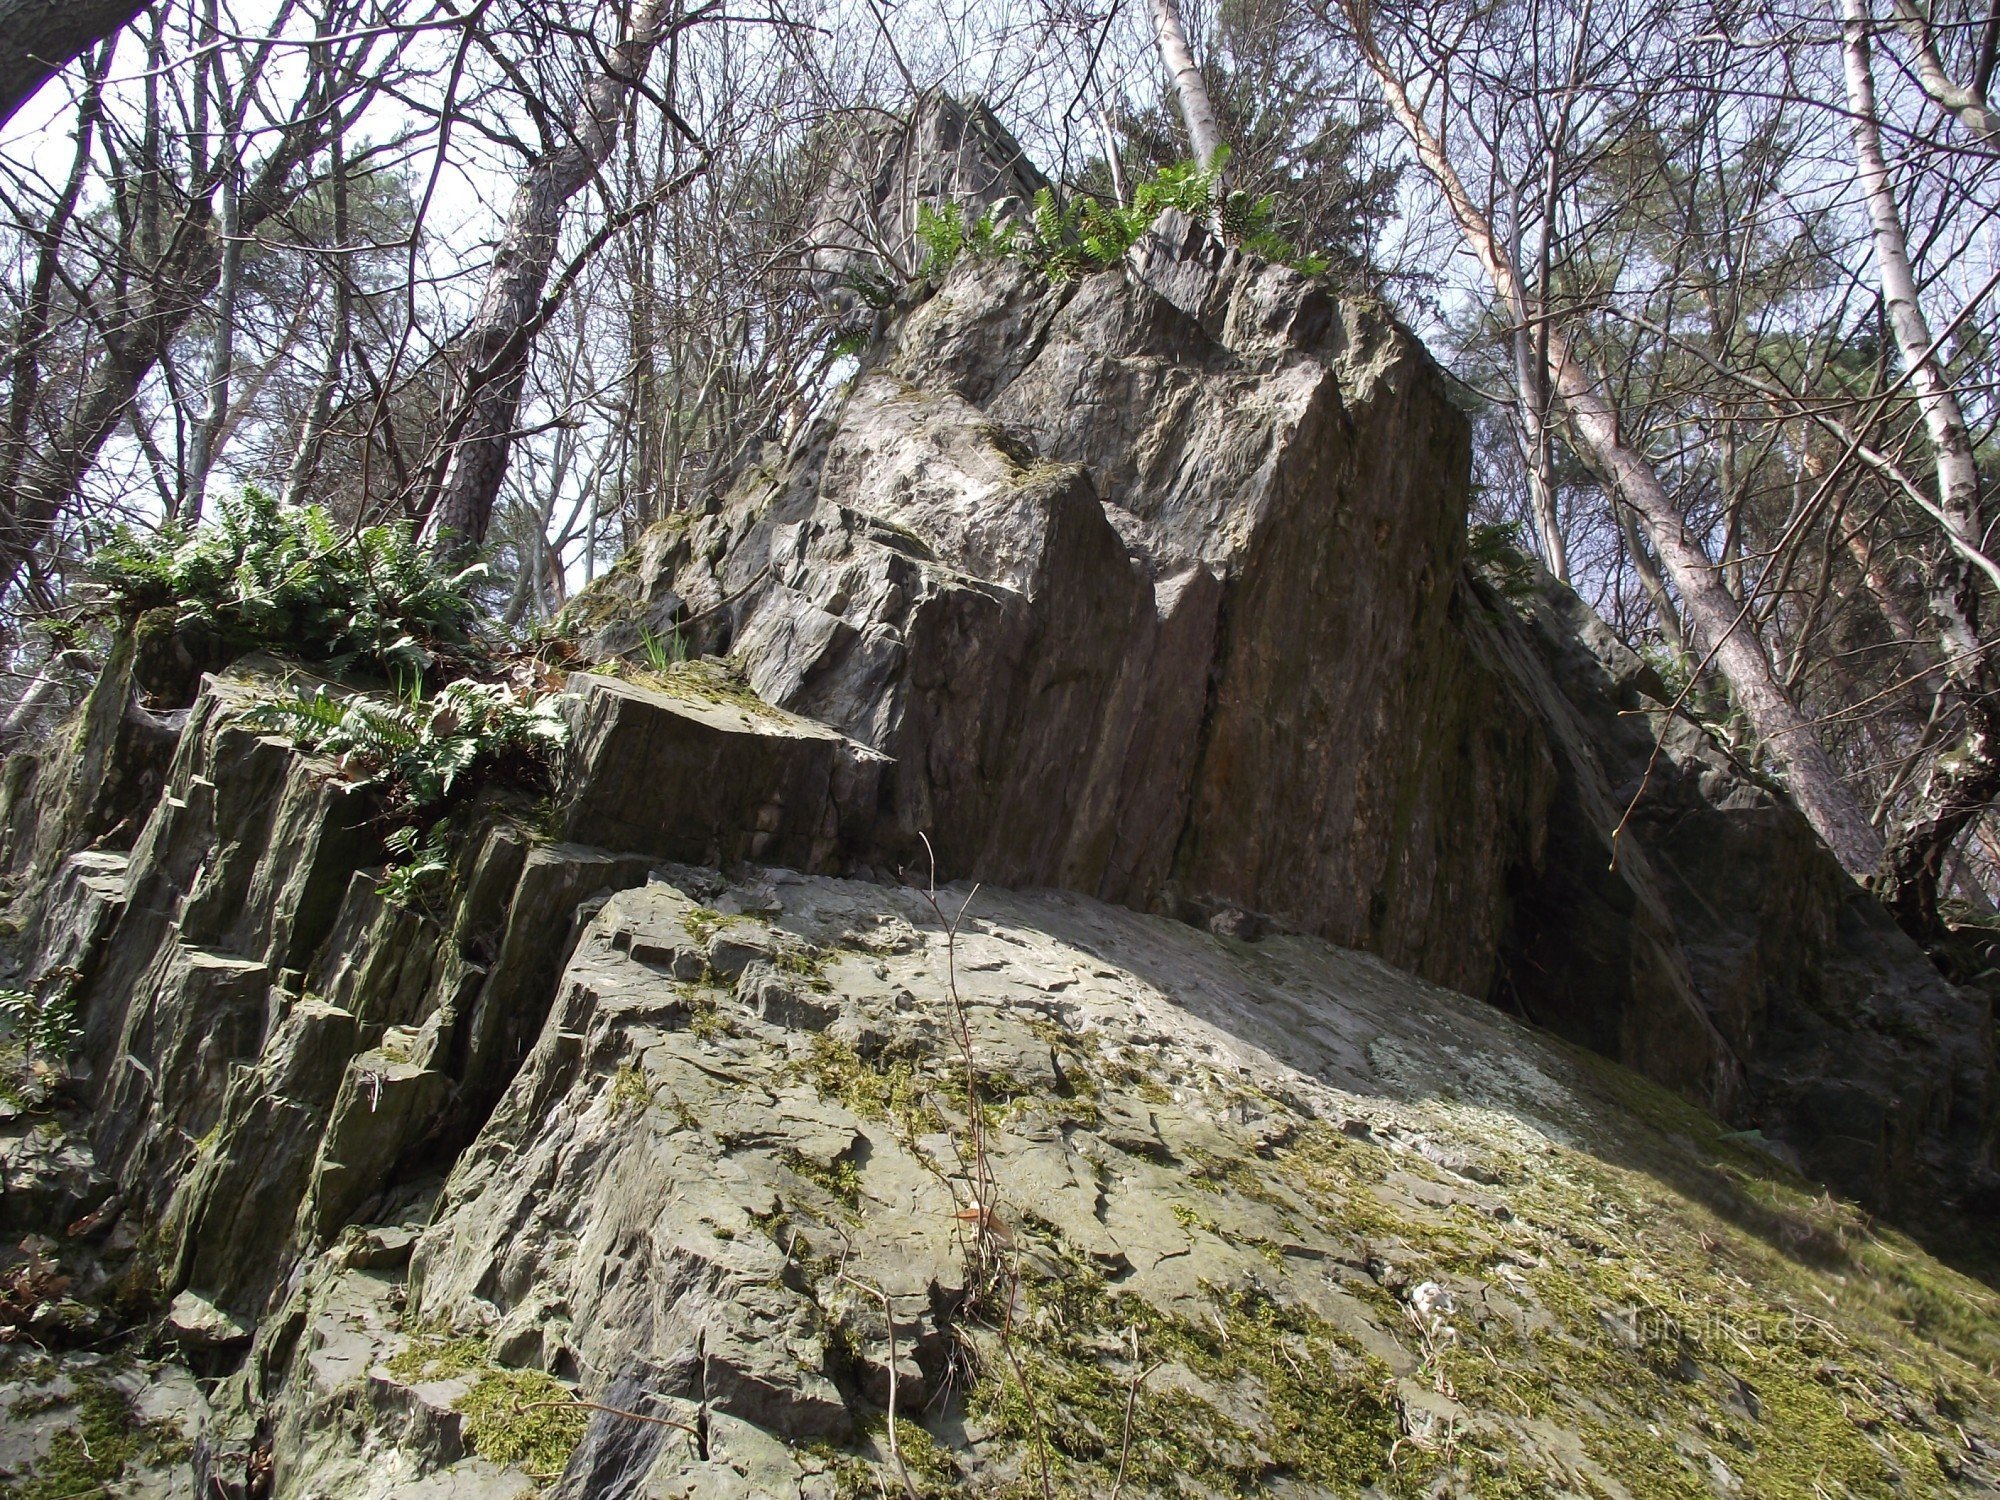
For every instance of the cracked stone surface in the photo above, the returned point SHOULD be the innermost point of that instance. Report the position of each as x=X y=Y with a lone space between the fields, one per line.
x=692 y=1192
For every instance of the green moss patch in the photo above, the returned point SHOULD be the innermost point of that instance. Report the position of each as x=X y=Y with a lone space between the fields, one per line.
x=1226 y=1399
x=709 y=680
x=888 y=1086
x=1676 y=1313
x=524 y=1418
x=437 y=1357
x=106 y=1438
x=839 y=1179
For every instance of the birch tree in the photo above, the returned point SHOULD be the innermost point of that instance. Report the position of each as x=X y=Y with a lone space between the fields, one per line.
x=1965 y=96
x=1197 y=112
x=1965 y=783
x=1718 y=620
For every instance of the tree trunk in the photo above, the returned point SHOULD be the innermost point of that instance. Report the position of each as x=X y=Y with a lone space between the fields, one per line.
x=1964 y=781
x=1917 y=656
x=1967 y=103
x=1203 y=133
x=177 y=282
x=41 y=693
x=39 y=38
x=494 y=348
x=312 y=432
x=132 y=349
x=221 y=359
x=1719 y=621
x=1714 y=615
x=24 y=368
x=1537 y=453
x=1531 y=365
x=1957 y=466
x=1655 y=587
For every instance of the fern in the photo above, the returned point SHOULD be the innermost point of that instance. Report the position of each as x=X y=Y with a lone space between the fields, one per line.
x=421 y=751
x=990 y=238
x=304 y=719
x=1673 y=667
x=1065 y=240
x=947 y=237
x=260 y=574
x=418 y=862
x=942 y=234
x=1498 y=549
x=46 y=1027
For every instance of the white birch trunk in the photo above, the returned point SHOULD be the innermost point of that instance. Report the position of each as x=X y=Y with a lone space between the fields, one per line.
x=202 y=451
x=1957 y=466
x=1203 y=133
x=1714 y=614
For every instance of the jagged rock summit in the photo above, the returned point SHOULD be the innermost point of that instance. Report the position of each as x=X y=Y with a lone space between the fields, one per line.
x=684 y=1147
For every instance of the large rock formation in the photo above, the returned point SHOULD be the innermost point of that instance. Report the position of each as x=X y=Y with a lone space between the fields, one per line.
x=1152 y=585
x=1145 y=583
x=950 y=156
x=1258 y=1216
x=680 y=1146
x=1325 y=1228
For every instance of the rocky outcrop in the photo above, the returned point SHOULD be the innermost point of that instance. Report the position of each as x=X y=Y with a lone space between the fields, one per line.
x=951 y=156
x=273 y=1048
x=1683 y=918
x=1260 y=1216
x=1145 y=583
x=1152 y=586
x=677 y=1143
x=1200 y=1140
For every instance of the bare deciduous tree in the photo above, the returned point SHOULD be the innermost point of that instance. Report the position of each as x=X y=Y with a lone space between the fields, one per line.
x=494 y=349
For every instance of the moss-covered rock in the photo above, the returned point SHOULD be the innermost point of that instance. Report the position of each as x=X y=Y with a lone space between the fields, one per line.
x=1256 y=1218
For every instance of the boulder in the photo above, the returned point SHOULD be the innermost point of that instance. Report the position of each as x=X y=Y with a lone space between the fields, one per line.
x=694 y=766
x=1146 y=583
x=197 y=1323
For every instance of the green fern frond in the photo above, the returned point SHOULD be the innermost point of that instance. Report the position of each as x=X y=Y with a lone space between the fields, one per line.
x=262 y=575
x=1067 y=238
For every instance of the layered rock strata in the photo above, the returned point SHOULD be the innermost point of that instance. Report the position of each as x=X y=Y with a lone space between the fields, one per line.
x=1152 y=585
x=678 y=1144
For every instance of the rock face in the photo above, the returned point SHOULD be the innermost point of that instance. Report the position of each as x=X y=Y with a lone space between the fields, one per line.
x=1152 y=586
x=678 y=1145
x=864 y=233
x=1718 y=947
x=747 y=1197
x=1267 y=1216
x=1145 y=584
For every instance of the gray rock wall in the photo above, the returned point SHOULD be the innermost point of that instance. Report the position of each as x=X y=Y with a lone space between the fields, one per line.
x=1151 y=585
x=1146 y=584
x=1150 y=588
